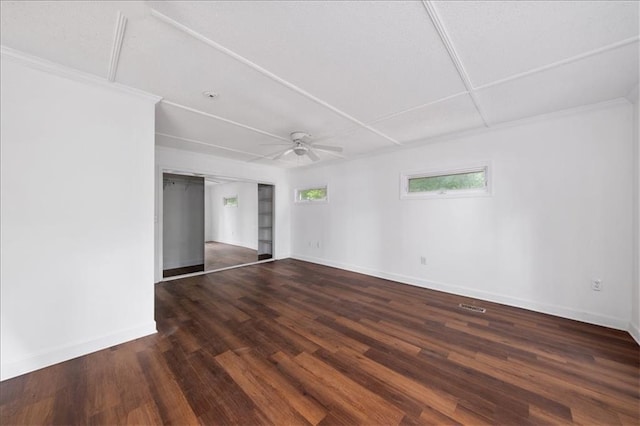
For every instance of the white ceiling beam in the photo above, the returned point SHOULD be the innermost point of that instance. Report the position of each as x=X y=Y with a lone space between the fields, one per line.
x=121 y=24
x=252 y=154
x=448 y=44
x=265 y=72
x=557 y=64
x=226 y=120
x=395 y=114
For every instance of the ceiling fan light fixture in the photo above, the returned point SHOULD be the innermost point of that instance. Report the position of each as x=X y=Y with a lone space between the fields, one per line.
x=300 y=149
x=299 y=136
x=303 y=145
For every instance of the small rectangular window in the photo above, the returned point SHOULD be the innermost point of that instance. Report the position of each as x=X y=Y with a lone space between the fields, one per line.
x=311 y=195
x=230 y=201
x=468 y=181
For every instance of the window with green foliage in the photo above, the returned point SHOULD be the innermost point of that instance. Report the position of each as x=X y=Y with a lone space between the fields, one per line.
x=309 y=195
x=469 y=181
x=230 y=201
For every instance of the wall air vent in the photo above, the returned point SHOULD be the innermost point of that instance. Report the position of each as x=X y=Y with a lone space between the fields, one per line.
x=472 y=308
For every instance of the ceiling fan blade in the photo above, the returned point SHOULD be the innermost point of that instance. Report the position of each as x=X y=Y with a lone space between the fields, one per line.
x=276 y=144
x=328 y=148
x=282 y=154
x=312 y=155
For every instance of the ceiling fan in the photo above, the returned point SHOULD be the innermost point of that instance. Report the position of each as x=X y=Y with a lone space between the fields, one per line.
x=302 y=145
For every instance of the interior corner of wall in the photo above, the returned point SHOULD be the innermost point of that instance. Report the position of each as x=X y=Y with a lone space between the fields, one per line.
x=634 y=331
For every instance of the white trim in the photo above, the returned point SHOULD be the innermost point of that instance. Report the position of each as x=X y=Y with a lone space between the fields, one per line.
x=559 y=311
x=481 y=130
x=70 y=73
x=166 y=135
x=557 y=64
x=159 y=218
x=121 y=24
x=634 y=331
x=226 y=120
x=196 y=274
x=59 y=354
x=445 y=171
x=453 y=54
x=417 y=107
x=296 y=192
x=185 y=29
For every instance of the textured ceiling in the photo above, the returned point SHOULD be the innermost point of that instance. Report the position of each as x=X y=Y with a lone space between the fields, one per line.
x=365 y=76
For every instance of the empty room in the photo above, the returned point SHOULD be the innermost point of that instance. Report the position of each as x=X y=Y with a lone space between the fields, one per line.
x=319 y=212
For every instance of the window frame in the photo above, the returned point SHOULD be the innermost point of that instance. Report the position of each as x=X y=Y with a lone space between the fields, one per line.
x=224 y=201
x=446 y=171
x=296 y=194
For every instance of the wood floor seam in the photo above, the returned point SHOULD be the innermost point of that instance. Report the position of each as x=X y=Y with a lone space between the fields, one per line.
x=296 y=343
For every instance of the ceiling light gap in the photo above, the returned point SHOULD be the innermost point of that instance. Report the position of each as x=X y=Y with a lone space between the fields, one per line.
x=448 y=44
x=263 y=71
x=118 y=37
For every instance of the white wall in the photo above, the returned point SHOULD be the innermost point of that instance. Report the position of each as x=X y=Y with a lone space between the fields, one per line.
x=634 y=326
x=183 y=224
x=77 y=218
x=177 y=160
x=560 y=215
x=232 y=225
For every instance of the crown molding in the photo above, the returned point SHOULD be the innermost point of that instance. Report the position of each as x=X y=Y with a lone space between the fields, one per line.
x=581 y=109
x=226 y=51
x=49 y=67
x=121 y=24
x=456 y=135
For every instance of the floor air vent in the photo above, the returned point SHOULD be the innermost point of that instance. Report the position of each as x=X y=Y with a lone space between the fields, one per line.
x=472 y=308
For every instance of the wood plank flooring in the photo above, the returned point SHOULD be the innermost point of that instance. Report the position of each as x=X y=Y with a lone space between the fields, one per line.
x=290 y=342
x=219 y=255
x=183 y=270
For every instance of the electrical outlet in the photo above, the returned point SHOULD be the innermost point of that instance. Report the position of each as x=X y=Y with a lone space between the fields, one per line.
x=317 y=244
x=423 y=260
x=596 y=285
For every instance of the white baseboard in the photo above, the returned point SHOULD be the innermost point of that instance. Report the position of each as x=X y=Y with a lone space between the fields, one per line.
x=634 y=331
x=64 y=353
x=560 y=311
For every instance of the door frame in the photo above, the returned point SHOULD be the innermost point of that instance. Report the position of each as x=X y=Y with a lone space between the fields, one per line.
x=158 y=219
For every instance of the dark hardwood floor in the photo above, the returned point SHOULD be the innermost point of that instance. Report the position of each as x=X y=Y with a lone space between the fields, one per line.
x=290 y=342
x=219 y=255
x=183 y=270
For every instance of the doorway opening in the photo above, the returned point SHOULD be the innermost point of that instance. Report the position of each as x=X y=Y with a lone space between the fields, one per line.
x=212 y=223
